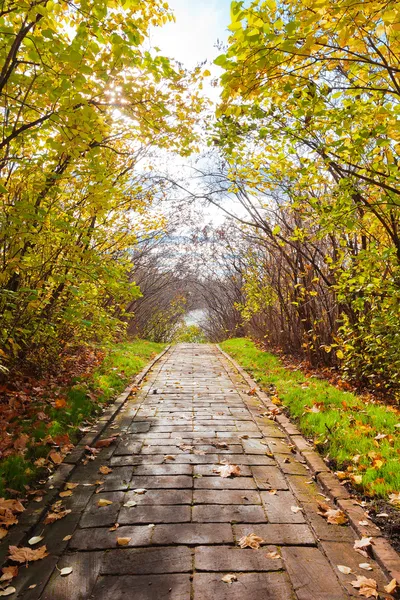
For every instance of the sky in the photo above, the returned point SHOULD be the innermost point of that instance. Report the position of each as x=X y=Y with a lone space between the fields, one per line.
x=192 y=38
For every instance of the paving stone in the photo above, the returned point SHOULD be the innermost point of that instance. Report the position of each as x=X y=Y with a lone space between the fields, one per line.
x=208 y=470
x=279 y=507
x=193 y=533
x=128 y=445
x=311 y=575
x=156 y=482
x=139 y=427
x=154 y=514
x=291 y=465
x=343 y=553
x=99 y=516
x=233 y=559
x=226 y=497
x=257 y=586
x=79 y=584
x=282 y=535
x=147 y=561
x=255 y=447
x=164 y=469
x=101 y=538
x=324 y=530
x=269 y=478
x=225 y=483
x=248 y=459
x=145 y=587
x=215 y=513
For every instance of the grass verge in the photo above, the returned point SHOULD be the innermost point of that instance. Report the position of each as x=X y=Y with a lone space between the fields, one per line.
x=360 y=437
x=55 y=418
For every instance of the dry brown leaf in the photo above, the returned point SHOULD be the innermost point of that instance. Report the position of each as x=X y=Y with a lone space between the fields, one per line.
x=55 y=457
x=3 y=533
x=8 y=573
x=395 y=498
x=65 y=494
x=367 y=587
x=228 y=470
x=104 y=470
x=104 y=502
x=363 y=545
x=217 y=444
x=344 y=569
x=273 y=555
x=250 y=541
x=169 y=457
x=105 y=443
x=390 y=587
x=332 y=515
x=56 y=516
x=66 y=538
x=114 y=527
x=185 y=447
x=229 y=578
x=24 y=555
x=272 y=492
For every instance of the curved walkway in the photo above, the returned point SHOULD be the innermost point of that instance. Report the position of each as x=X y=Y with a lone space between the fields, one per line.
x=180 y=520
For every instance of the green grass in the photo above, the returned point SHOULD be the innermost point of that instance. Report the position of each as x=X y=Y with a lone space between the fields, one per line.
x=84 y=401
x=344 y=428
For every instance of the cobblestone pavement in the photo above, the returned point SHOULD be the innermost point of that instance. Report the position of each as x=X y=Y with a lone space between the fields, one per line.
x=193 y=413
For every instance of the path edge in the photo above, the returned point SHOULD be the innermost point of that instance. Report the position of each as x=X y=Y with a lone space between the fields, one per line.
x=382 y=550
x=33 y=514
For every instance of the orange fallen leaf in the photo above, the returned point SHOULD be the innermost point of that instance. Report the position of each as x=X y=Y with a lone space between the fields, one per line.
x=8 y=573
x=24 y=555
x=123 y=541
x=104 y=470
x=71 y=486
x=55 y=457
x=367 y=587
x=105 y=443
x=250 y=541
x=65 y=494
x=56 y=516
x=273 y=555
x=114 y=527
x=60 y=403
x=332 y=515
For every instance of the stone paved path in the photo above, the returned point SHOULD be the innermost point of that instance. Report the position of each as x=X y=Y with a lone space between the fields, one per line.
x=183 y=530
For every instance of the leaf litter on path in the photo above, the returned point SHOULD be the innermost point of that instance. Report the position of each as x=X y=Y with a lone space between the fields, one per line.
x=227 y=470
x=250 y=541
x=25 y=555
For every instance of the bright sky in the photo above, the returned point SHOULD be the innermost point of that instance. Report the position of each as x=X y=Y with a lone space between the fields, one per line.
x=199 y=24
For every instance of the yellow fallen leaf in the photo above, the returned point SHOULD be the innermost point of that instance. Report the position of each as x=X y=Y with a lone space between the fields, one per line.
x=366 y=587
x=391 y=586
x=344 y=569
x=123 y=541
x=229 y=578
x=104 y=502
x=65 y=494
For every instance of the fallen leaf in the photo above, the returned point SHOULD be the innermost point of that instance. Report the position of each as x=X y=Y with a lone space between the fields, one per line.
x=71 y=486
x=250 y=541
x=65 y=571
x=24 y=555
x=66 y=538
x=56 y=516
x=55 y=457
x=169 y=457
x=363 y=545
x=123 y=541
x=382 y=515
x=363 y=523
x=223 y=445
x=395 y=498
x=35 y=540
x=365 y=566
x=105 y=443
x=9 y=573
x=114 y=527
x=343 y=569
x=104 y=470
x=295 y=509
x=252 y=392
x=104 y=502
x=332 y=515
x=228 y=470
x=391 y=586
x=60 y=403
x=274 y=555
x=3 y=533
x=130 y=504
x=65 y=494
x=139 y=491
x=229 y=578
x=8 y=591
x=32 y=587
x=272 y=492
x=366 y=587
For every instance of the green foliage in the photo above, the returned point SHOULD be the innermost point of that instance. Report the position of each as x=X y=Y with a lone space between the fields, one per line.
x=345 y=426
x=190 y=334
x=310 y=118
x=85 y=108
